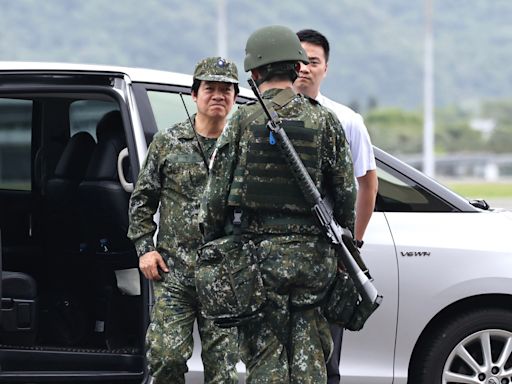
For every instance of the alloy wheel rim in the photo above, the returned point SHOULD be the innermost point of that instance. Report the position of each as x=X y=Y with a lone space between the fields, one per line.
x=484 y=357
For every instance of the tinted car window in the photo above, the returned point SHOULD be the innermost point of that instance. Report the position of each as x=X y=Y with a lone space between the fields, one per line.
x=15 y=137
x=398 y=193
x=85 y=114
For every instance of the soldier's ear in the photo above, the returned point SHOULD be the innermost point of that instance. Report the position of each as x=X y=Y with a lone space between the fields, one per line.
x=255 y=74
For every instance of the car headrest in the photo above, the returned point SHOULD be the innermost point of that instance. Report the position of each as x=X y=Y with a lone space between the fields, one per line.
x=111 y=140
x=110 y=127
x=75 y=157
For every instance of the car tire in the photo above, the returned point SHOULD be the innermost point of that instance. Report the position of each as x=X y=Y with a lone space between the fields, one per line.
x=474 y=347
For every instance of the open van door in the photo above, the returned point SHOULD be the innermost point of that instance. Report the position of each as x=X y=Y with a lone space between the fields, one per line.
x=1 y=270
x=72 y=307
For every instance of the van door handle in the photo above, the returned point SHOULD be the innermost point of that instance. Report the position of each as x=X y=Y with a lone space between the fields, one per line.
x=128 y=187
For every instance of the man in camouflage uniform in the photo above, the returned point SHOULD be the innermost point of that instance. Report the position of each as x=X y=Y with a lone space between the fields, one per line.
x=249 y=175
x=173 y=177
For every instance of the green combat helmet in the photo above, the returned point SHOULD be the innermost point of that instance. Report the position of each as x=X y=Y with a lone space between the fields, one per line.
x=216 y=69
x=273 y=44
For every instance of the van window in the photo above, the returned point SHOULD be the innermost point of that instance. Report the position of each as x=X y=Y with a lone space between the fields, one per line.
x=168 y=108
x=85 y=114
x=15 y=138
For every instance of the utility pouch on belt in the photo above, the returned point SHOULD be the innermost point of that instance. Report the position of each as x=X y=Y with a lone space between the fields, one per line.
x=228 y=281
x=342 y=305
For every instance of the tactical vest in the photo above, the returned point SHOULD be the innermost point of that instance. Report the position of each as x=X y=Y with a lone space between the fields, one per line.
x=263 y=180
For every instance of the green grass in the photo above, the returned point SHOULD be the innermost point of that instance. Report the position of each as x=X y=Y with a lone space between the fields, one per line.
x=482 y=190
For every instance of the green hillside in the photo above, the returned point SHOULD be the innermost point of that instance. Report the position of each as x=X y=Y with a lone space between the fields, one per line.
x=377 y=46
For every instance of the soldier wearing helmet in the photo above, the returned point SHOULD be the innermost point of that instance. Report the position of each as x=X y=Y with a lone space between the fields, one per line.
x=173 y=178
x=252 y=196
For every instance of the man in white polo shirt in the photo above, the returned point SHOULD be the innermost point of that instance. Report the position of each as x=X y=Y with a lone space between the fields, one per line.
x=308 y=83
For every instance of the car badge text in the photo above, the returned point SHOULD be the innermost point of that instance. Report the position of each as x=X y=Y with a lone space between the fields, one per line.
x=414 y=253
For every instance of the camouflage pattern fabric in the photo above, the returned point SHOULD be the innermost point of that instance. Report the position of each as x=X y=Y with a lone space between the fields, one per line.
x=340 y=307
x=173 y=177
x=169 y=337
x=288 y=347
x=216 y=69
x=292 y=342
x=302 y=266
x=335 y=164
x=263 y=179
x=228 y=281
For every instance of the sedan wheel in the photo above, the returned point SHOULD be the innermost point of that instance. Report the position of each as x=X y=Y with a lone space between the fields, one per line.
x=474 y=348
x=481 y=357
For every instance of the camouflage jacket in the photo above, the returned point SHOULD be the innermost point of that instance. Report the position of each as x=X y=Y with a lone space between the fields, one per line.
x=174 y=177
x=335 y=167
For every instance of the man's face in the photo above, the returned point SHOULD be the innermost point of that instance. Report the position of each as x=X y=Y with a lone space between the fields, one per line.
x=214 y=99
x=312 y=74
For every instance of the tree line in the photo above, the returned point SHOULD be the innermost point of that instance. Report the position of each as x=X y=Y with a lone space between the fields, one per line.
x=457 y=129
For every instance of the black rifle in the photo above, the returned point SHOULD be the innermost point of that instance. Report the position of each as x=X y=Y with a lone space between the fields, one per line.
x=322 y=209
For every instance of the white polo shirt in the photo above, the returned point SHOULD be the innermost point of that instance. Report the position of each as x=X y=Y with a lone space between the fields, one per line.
x=356 y=133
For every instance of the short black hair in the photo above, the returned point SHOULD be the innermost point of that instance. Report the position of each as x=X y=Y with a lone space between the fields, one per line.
x=195 y=86
x=197 y=83
x=280 y=71
x=314 y=37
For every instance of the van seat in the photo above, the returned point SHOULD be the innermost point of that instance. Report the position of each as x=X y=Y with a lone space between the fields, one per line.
x=19 y=307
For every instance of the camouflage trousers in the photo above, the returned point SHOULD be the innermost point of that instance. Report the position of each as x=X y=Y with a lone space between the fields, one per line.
x=170 y=342
x=287 y=347
x=291 y=344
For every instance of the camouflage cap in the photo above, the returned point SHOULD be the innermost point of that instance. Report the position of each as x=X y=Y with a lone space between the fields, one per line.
x=216 y=69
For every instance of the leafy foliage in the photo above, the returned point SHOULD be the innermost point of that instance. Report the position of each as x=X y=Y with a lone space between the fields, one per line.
x=395 y=130
x=376 y=61
x=377 y=47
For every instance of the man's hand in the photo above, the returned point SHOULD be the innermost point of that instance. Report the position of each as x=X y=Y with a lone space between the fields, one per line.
x=149 y=264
